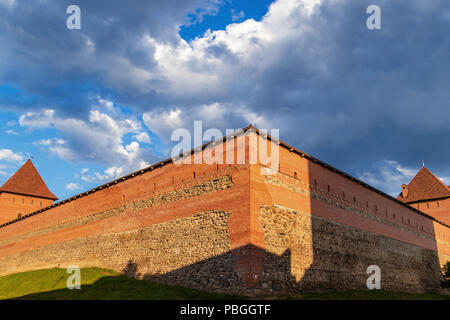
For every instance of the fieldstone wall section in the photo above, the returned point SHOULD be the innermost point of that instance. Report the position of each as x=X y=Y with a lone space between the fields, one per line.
x=305 y=252
x=339 y=202
x=194 y=252
x=220 y=183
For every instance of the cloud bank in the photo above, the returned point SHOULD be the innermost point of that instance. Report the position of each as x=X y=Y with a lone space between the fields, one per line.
x=348 y=95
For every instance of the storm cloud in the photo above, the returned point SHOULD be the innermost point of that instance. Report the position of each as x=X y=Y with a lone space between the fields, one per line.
x=359 y=99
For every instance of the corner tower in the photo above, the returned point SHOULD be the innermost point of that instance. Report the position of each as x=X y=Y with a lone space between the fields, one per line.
x=23 y=193
x=429 y=194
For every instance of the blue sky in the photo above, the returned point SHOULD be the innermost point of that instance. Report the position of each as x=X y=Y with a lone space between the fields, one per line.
x=227 y=13
x=93 y=104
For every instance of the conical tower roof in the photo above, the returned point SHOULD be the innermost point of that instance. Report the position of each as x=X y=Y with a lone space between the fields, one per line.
x=425 y=186
x=28 y=181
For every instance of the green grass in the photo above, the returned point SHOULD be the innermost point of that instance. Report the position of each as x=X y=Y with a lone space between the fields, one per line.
x=103 y=284
x=96 y=284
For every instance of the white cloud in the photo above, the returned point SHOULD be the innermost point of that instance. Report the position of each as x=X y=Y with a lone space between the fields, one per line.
x=10 y=156
x=142 y=137
x=237 y=15
x=12 y=132
x=58 y=147
x=109 y=174
x=212 y=111
x=43 y=119
x=73 y=186
x=99 y=139
x=389 y=176
x=214 y=115
x=215 y=64
x=106 y=103
x=163 y=123
x=242 y=49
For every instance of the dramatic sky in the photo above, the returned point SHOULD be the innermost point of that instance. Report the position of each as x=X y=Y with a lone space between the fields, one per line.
x=93 y=104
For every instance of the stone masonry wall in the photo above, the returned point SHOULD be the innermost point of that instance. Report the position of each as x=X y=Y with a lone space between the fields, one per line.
x=182 y=234
x=156 y=251
x=320 y=230
x=202 y=188
x=305 y=252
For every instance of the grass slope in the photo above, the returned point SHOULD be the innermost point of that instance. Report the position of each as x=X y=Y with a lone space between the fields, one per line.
x=103 y=284
x=96 y=284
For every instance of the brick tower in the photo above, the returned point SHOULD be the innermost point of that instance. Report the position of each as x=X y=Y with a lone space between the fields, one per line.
x=429 y=194
x=23 y=193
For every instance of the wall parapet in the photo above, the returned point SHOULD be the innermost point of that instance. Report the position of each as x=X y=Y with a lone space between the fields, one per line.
x=318 y=192
x=207 y=177
x=339 y=202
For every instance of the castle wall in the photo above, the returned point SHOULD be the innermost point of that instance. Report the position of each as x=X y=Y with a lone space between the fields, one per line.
x=320 y=254
x=12 y=205
x=440 y=209
x=323 y=230
x=159 y=231
x=236 y=228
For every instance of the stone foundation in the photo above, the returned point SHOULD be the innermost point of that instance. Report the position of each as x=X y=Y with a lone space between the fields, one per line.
x=305 y=252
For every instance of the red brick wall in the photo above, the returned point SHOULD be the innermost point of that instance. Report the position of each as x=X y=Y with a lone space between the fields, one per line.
x=440 y=209
x=325 y=181
x=12 y=204
x=301 y=185
x=335 y=205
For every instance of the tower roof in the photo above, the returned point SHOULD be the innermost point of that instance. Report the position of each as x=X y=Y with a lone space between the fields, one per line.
x=28 y=181
x=425 y=186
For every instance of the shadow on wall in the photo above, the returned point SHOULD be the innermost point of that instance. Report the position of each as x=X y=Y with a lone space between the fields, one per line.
x=305 y=252
x=302 y=252
x=342 y=254
x=221 y=273
x=282 y=275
